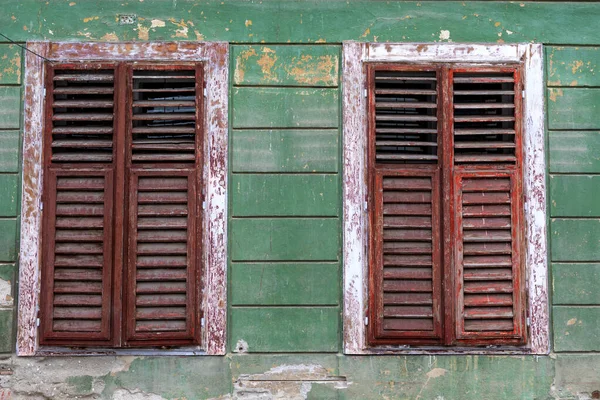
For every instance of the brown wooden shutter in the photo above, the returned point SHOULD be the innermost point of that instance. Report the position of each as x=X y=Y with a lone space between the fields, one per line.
x=405 y=268
x=163 y=259
x=163 y=270
x=77 y=260
x=488 y=230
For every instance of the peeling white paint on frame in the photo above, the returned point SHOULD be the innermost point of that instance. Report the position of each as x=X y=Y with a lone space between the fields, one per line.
x=355 y=220
x=214 y=247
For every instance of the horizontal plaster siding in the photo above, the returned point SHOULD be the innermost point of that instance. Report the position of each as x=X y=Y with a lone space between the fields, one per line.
x=10 y=185
x=573 y=75
x=284 y=199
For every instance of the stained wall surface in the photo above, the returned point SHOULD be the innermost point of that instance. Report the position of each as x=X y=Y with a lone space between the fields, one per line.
x=285 y=196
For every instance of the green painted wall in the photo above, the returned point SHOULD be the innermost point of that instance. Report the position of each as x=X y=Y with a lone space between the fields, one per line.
x=11 y=61
x=285 y=266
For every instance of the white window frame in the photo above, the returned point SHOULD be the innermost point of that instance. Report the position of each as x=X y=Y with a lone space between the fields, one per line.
x=215 y=57
x=355 y=223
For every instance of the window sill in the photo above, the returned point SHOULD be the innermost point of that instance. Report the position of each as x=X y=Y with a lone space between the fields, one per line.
x=422 y=350
x=50 y=351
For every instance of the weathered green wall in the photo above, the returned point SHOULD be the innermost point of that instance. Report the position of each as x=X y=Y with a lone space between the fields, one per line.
x=285 y=200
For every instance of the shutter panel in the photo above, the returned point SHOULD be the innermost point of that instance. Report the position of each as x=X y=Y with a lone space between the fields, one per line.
x=486 y=116
x=489 y=257
x=81 y=113
x=77 y=272
x=405 y=109
x=488 y=208
x=406 y=256
x=164 y=221
x=163 y=259
x=405 y=268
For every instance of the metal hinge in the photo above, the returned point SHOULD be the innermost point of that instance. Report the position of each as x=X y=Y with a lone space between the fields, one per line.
x=204 y=92
x=366 y=206
x=41 y=206
x=204 y=205
x=366 y=320
x=44 y=92
x=523 y=94
x=366 y=93
x=528 y=321
x=202 y=322
x=37 y=321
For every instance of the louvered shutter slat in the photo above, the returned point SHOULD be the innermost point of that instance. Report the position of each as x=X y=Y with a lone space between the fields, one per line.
x=164 y=116
x=405 y=110
x=82 y=114
x=78 y=257
x=162 y=300
x=405 y=255
x=488 y=257
x=485 y=116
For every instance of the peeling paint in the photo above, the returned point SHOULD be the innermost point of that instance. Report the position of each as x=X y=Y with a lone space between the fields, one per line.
x=157 y=23
x=241 y=62
x=266 y=63
x=444 y=35
x=576 y=65
x=555 y=93
x=110 y=37
x=6 y=299
x=143 y=32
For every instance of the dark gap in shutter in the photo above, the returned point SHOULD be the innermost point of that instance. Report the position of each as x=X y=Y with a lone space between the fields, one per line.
x=405 y=116
x=164 y=116
x=484 y=117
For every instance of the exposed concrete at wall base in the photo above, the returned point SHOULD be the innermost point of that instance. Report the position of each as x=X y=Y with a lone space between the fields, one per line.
x=316 y=376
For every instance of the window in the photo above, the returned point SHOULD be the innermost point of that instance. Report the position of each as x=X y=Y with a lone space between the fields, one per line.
x=132 y=229
x=445 y=132
x=446 y=144
x=117 y=187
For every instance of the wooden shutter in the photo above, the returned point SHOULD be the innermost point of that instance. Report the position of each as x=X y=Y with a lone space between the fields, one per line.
x=163 y=259
x=488 y=231
x=80 y=113
x=164 y=164
x=404 y=198
x=77 y=242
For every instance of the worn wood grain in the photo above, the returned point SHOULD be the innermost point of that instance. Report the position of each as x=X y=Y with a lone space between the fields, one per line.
x=573 y=108
x=258 y=239
x=284 y=284
x=575 y=283
x=284 y=195
x=286 y=65
x=10 y=107
x=285 y=329
x=573 y=66
x=575 y=239
x=576 y=328
x=288 y=150
x=574 y=195
x=285 y=108
x=574 y=151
